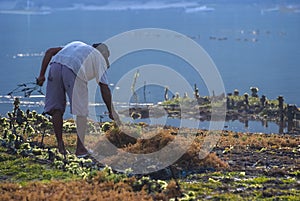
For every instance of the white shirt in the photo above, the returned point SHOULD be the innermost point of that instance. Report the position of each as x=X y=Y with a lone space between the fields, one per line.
x=84 y=60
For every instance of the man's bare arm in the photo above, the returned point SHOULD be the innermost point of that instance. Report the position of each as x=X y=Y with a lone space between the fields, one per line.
x=47 y=58
x=106 y=96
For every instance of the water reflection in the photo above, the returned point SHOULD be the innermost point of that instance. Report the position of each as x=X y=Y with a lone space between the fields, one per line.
x=248 y=126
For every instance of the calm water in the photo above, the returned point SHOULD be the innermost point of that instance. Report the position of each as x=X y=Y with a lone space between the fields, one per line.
x=251 y=44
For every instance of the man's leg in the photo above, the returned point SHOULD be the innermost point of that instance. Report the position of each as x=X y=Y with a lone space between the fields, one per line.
x=77 y=92
x=55 y=102
x=81 y=126
x=57 y=120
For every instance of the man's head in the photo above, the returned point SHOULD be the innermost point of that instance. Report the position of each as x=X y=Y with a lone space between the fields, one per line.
x=103 y=49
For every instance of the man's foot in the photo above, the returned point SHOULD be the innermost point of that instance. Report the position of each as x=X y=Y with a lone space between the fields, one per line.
x=61 y=149
x=83 y=153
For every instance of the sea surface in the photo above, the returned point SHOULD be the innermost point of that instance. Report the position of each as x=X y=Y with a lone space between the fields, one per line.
x=252 y=43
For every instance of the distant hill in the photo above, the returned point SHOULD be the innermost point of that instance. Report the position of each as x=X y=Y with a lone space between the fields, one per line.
x=19 y=4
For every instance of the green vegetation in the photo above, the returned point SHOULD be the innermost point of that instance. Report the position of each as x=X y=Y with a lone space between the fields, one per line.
x=14 y=168
x=241 y=167
x=240 y=186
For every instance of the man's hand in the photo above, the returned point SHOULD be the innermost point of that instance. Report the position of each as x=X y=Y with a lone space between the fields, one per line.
x=46 y=60
x=40 y=80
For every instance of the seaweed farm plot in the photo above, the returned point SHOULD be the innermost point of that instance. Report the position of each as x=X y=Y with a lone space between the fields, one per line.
x=248 y=113
x=240 y=166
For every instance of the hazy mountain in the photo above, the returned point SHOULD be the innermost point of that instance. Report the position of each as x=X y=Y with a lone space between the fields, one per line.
x=151 y=4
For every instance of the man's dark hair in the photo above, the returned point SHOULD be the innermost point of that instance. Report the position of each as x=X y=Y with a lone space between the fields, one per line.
x=95 y=45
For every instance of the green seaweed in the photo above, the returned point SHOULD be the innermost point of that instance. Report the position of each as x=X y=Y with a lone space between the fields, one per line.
x=19 y=169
